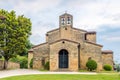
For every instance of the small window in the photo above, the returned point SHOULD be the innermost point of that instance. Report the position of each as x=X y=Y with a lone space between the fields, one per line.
x=65 y=28
x=89 y=58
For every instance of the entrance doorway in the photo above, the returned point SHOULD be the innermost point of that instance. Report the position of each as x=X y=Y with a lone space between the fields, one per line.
x=63 y=58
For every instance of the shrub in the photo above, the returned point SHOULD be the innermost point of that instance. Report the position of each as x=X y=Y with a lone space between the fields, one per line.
x=107 y=67
x=118 y=68
x=91 y=65
x=23 y=63
x=31 y=63
x=14 y=59
x=46 y=66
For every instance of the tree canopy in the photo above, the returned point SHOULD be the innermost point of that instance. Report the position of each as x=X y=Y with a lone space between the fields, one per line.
x=14 y=33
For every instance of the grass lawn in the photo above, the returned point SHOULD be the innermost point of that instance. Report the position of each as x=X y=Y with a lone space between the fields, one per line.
x=109 y=76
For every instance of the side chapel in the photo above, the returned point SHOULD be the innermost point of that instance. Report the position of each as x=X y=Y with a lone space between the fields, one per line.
x=69 y=48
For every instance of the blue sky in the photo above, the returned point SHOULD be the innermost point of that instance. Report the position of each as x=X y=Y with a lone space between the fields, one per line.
x=102 y=16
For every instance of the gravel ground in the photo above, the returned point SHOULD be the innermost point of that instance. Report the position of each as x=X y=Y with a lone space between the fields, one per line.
x=8 y=73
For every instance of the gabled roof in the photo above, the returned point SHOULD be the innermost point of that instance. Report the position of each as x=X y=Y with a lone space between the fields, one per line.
x=64 y=40
x=79 y=29
x=39 y=45
x=94 y=43
x=53 y=30
x=72 y=28
x=66 y=14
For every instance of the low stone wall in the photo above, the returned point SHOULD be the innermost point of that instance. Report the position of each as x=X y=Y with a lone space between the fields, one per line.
x=11 y=65
x=1 y=64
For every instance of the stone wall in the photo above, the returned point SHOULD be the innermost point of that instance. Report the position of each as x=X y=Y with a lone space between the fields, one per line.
x=53 y=36
x=40 y=56
x=90 y=51
x=78 y=35
x=107 y=58
x=11 y=65
x=71 y=37
x=30 y=56
x=91 y=36
x=72 y=49
x=67 y=32
x=1 y=64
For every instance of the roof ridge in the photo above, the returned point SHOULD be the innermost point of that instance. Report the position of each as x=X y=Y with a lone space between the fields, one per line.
x=64 y=40
x=39 y=45
x=94 y=43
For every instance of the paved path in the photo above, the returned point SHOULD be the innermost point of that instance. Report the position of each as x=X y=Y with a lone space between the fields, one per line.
x=8 y=73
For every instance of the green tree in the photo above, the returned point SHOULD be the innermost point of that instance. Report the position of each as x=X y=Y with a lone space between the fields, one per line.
x=14 y=33
x=25 y=51
x=91 y=65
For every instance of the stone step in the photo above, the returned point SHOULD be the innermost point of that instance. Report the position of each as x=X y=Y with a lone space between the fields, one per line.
x=63 y=70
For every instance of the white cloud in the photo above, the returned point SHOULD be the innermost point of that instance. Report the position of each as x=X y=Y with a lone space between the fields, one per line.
x=115 y=39
x=34 y=9
x=42 y=29
x=88 y=14
x=109 y=38
x=94 y=13
x=37 y=39
x=30 y=6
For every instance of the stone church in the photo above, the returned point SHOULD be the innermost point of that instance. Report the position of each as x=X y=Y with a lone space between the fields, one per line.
x=69 y=48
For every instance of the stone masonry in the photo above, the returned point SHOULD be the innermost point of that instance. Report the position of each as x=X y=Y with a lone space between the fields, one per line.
x=69 y=48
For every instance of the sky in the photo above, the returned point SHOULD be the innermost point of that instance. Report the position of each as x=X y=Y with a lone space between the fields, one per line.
x=102 y=16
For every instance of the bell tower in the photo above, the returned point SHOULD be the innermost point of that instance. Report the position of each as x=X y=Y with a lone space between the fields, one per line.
x=65 y=24
x=66 y=20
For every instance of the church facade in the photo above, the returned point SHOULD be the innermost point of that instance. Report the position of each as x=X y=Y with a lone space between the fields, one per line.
x=69 y=48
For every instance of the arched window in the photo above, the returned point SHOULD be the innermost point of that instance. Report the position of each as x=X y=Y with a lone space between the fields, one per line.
x=63 y=21
x=68 y=20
